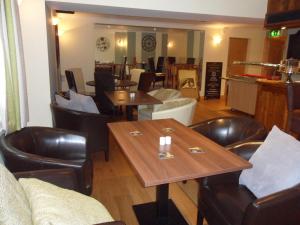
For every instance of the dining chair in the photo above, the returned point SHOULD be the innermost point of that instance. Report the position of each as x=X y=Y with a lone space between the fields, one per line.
x=104 y=81
x=122 y=71
x=293 y=100
x=135 y=76
x=151 y=65
x=71 y=80
x=145 y=81
x=190 y=61
x=159 y=76
x=160 y=64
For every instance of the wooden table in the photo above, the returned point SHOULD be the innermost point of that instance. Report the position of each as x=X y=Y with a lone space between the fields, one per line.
x=142 y=152
x=122 y=97
x=119 y=83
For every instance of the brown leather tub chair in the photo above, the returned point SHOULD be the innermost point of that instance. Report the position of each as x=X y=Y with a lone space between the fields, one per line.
x=230 y=131
x=93 y=125
x=36 y=148
x=224 y=202
x=65 y=178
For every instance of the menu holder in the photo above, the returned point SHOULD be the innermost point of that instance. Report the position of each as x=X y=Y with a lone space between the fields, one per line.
x=196 y=150
x=165 y=155
x=135 y=133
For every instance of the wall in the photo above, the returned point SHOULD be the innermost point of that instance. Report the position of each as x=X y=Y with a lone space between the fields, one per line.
x=179 y=48
x=219 y=53
x=34 y=37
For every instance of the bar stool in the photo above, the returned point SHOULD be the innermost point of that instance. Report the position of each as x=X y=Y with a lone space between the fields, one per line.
x=293 y=100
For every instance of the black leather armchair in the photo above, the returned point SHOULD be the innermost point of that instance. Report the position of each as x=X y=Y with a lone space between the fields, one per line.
x=93 y=125
x=230 y=131
x=36 y=148
x=222 y=201
x=65 y=178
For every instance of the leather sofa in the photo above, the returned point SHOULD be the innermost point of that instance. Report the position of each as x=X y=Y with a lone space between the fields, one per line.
x=65 y=178
x=222 y=201
x=94 y=126
x=36 y=148
x=232 y=130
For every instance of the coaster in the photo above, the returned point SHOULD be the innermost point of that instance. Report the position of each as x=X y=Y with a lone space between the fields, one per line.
x=168 y=130
x=165 y=155
x=135 y=133
x=196 y=149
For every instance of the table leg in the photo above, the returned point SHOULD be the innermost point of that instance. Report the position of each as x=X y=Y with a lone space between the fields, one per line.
x=161 y=212
x=129 y=112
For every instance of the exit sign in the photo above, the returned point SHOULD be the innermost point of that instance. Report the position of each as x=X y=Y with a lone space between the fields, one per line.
x=274 y=33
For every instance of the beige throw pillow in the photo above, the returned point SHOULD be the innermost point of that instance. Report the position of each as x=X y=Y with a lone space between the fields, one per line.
x=14 y=207
x=54 y=205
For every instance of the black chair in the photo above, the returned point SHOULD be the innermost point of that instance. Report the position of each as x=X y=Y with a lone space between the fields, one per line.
x=171 y=60
x=145 y=81
x=71 y=80
x=37 y=148
x=293 y=100
x=104 y=81
x=223 y=201
x=157 y=77
x=91 y=124
x=160 y=64
x=190 y=61
x=122 y=71
x=233 y=130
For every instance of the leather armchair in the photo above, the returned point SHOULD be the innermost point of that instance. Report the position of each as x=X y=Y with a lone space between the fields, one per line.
x=223 y=201
x=36 y=148
x=231 y=131
x=65 y=178
x=93 y=125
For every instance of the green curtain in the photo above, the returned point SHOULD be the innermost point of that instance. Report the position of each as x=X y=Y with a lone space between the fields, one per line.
x=11 y=71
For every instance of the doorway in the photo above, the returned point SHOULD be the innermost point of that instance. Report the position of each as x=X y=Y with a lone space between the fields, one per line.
x=237 y=51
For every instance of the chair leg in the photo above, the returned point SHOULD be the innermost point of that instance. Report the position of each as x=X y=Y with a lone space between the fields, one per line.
x=200 y=217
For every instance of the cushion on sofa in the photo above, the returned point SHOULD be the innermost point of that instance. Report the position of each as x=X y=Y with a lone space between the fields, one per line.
x=14 y=207
x=54 y=205
x=165 y=94
x=275 y=165
x=86 y=102
x=173 y=104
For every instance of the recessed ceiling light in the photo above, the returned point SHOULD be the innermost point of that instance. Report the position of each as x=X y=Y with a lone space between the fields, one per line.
x=154 y=28
x=283 y=28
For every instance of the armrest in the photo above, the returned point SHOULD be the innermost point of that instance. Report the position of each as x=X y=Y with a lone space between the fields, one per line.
x=65 y=178
x=245 y=149
x=280 y=208
x=112 y=223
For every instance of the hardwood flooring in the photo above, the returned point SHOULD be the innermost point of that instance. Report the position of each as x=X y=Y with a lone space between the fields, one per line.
x=117 y=187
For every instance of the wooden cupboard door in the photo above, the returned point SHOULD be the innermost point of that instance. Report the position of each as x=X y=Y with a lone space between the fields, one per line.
x=237 y=51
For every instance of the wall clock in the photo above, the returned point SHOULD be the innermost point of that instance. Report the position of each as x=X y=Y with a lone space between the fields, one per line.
x=102 y=44
x=148 y=43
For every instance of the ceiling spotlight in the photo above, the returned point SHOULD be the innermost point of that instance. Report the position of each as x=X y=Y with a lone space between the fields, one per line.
x=283 y=28
x=154 y=28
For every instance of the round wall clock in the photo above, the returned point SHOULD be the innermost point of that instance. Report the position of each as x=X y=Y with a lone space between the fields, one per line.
x=102 y=44
x=149 y=43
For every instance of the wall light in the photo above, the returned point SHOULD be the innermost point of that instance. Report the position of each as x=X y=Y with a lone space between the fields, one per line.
x=60 y=32
x=55 y=21
x=170 y=44
x=122 y=43
x=217 y=39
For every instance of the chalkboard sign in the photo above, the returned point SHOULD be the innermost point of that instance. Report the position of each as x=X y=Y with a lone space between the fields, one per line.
x=213 y=80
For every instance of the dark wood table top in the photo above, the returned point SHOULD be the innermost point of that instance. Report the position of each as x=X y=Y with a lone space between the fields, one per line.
x=122 y=97
x=119 y=83
x=142 y=152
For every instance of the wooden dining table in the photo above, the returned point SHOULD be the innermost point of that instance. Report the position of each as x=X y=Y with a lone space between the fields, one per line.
x=139 y=141
x=118 y=83
x=130 y=99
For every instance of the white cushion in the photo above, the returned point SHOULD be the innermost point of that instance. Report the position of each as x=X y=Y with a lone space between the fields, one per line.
x=14 y=207
x=68 y=104
x=86 y=102
x=54 y=205
x=275 y=165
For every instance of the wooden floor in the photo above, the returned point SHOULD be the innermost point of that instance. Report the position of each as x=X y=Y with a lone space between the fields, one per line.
x=117 y=187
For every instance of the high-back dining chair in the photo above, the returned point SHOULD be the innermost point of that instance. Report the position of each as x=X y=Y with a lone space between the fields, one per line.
x=123 y=69
x=190 y=61
x=160 y=64
x=293 y=100
x=145 y=81
x=71 y=80
x=151 y=65
x=104 y=81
